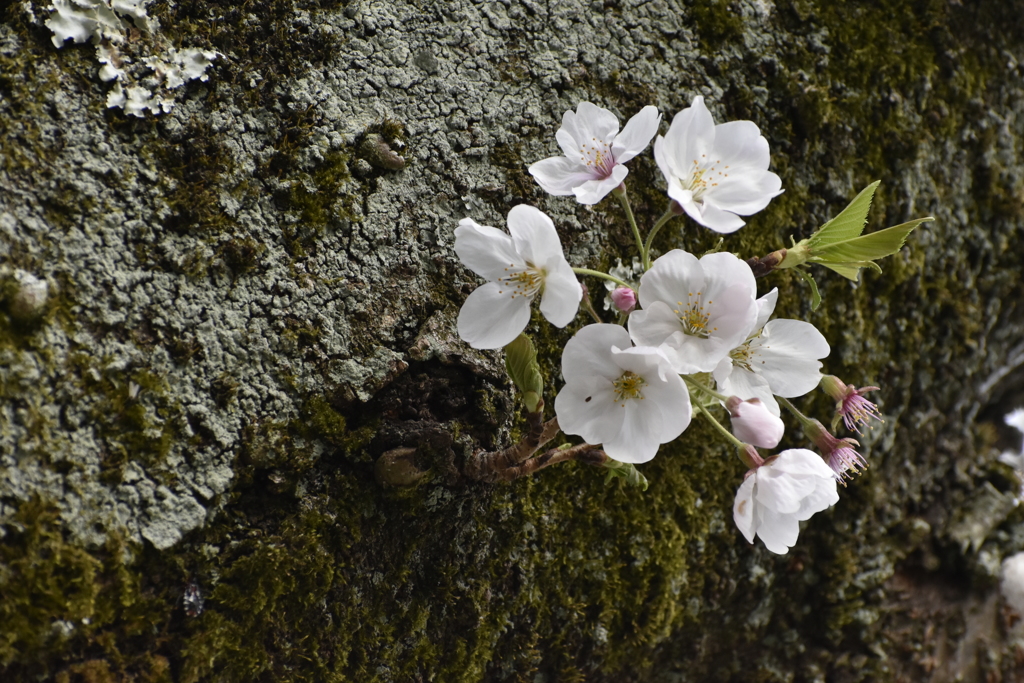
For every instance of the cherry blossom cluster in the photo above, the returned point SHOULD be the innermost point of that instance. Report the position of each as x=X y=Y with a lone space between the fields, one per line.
x=692 y=336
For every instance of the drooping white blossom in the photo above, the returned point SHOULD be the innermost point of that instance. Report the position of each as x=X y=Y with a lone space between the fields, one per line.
x=627 y=398
x=717 y=173
x=595 y=152
x=697 y=311
x=518 y=267
x=775 y=497
x=777 y=358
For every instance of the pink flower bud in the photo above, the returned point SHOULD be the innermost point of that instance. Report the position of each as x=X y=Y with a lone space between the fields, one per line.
x=624 y=299
x=753 y=423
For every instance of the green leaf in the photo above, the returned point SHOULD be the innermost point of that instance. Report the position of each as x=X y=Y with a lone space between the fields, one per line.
x=867 y=247
x=851 y=271
x=615 y=469
x=522 y=367
x=815 y=295
x=848 y=224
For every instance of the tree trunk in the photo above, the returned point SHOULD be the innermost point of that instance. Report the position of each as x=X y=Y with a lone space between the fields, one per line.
x=251 y=297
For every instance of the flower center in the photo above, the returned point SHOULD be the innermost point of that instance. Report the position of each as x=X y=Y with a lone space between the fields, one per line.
x=522 y=281
x=597 y=157
x=702 y=177
x=694 y=316
x=628 y=386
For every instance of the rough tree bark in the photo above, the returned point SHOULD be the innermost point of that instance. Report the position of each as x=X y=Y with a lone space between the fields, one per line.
x=251 y=298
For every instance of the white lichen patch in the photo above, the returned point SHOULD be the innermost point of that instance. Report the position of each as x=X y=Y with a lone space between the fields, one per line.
x=141 y=83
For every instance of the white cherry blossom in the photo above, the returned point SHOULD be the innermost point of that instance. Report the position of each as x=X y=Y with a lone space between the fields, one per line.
x=717 y=173
x=775 y=497
x=595 y=152
x=627 y=398
x=695 y=310
x=779 y=358
x=518 y=267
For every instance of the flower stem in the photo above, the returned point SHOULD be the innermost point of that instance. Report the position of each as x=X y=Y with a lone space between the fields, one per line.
x=646 y=251
x=620 y=194
x=721 y=430
x=606 y=276
x=706 y=390
x=587 y=304
x=803 y=419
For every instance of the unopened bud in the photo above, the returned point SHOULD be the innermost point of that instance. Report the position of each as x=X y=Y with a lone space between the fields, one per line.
x=753 y=423
x=624 y=299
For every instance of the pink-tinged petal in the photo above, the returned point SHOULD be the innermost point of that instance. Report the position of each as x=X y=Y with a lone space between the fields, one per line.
x=743 y=508
x=589 y=412
x=765 y=308
x=747 y=385
x=672 y=276
x=786 y=355
x=690 y=138
x=491 y=318
x=753 y=423
x=715 y=218
x=636 y=134
x=596 y=124
x=589 y=353
x=533 y=234
x=740 y=143
x=593 y=191
x=562 y=293
x=485 y=250
x=778 y=532
x=744 y=190
x=559 y=175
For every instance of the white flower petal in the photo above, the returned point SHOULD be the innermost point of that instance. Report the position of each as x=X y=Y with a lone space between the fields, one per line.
x=595 y=123
x=593 y=191
x=485 y=250
x=636 y=134
x=589 y=353
x=559 y=175
x=783 y=491
x=690 y=138
x=743 y=508
x=746 y=385
x=765 y=308
x=744 y=191
x=675 y=272
x=778 y=532
x=802 y=462
x=740 y=143
x=562 y=294
x=824 y=497
x=534 y=235
x=491 y=318
x=589 y=412
x=786 y=355
x=718 y=220
x=637 y=441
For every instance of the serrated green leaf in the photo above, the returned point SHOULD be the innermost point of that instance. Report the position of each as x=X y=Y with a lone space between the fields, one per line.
x=867 y=247
x=849 y=223
x=850 y=271
x=815 y=295
x=522 y=367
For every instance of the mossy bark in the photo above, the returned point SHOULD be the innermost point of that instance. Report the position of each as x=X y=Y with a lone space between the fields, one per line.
x=252 y=297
